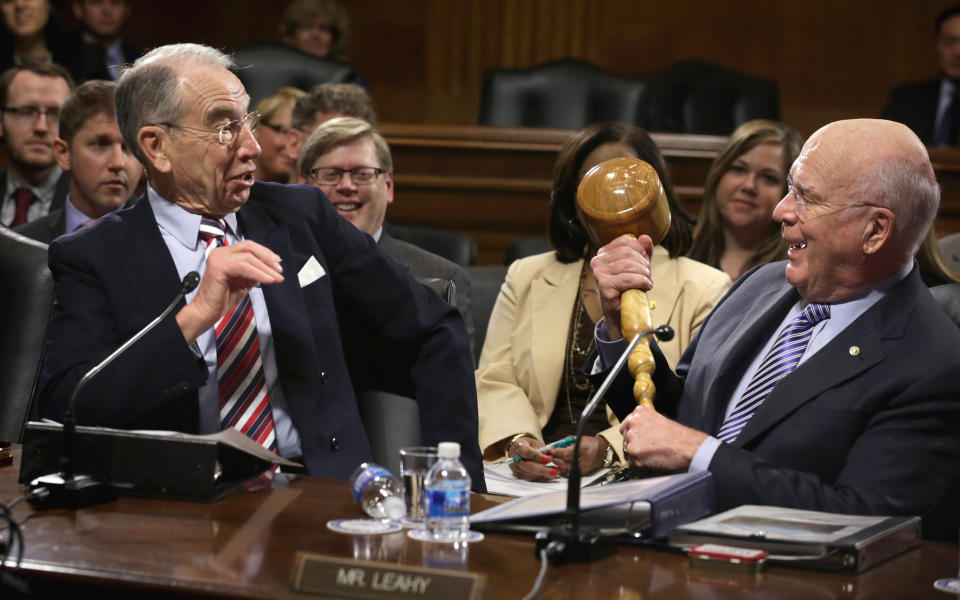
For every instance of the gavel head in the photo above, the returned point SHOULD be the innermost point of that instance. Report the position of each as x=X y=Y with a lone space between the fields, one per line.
x=622 y=195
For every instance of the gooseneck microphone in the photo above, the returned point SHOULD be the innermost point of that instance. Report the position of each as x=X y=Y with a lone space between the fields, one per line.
x=566 y=543
x=66 y=488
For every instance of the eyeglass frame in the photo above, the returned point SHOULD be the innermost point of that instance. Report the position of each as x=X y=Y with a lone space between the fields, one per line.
x=799 y=202
x=32 y=114
x=279 y=129
x=236 y=123
x=341 y=172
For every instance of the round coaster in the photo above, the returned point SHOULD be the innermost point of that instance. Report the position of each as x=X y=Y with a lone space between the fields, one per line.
x=421 y=535
x=950 y=585
x=408 y=524
x=363 y=526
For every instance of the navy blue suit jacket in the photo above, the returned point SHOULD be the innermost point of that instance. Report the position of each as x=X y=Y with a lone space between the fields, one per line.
x=915 y=105
x=870 y=424
x=366 y=323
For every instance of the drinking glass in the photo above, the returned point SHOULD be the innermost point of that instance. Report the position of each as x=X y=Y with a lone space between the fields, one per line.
x=414 y=463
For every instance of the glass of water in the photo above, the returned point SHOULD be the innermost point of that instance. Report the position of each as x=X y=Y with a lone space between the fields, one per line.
x=414 y=463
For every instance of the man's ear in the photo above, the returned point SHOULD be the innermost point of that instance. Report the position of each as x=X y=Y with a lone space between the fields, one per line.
x=878 y=230
x=154 y=144
x=61 y=151
x=77 y=9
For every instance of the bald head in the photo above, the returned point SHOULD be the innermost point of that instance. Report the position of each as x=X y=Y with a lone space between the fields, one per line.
x=879 y=162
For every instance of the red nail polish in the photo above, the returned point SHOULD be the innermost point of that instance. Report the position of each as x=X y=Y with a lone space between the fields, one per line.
x=554 y=473
x=544 y=460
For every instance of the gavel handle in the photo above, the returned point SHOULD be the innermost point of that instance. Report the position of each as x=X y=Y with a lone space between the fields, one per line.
x=635 y=318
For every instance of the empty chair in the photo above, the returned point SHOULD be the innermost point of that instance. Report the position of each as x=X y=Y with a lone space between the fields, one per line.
x=452 y=246
x=695 y=96
x=27 y=289
x=265 y=68
x=566 y=94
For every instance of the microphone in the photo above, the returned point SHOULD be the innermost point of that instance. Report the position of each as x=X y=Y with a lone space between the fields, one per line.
x=566 y=543
x=66 y=488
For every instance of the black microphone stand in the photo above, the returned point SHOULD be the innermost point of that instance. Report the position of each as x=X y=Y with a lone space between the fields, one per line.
x=66 y=489
x=567 y=543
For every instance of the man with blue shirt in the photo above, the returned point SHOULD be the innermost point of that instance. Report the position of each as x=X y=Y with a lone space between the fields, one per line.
x=832 y=381
x=293 y=301
x=103 y=172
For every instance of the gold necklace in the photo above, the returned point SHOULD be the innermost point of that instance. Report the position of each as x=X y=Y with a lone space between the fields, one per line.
x=573 y=377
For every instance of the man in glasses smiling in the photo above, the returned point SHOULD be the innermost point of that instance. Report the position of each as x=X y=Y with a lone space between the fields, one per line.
x=347 y=159
x=30 y=98
x=295 y=307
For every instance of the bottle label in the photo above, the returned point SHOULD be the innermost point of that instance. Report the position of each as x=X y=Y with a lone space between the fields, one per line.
x=449 y=503
x=365 y=477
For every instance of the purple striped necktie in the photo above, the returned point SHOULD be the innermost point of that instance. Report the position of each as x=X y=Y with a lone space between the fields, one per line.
x=243 y=397
x=782 y=358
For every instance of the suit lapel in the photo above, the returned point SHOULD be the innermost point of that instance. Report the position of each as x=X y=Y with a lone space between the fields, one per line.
x=552 y=297
x=149 y=266
x=741 y=347
x=854 y=350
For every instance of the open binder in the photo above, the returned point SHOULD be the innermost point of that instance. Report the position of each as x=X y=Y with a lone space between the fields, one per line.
x=151 y=463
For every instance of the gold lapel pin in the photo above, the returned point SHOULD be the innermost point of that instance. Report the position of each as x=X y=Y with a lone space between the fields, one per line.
x=854 y=350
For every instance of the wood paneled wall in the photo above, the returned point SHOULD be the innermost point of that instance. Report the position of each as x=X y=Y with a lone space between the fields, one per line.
x=424 y=59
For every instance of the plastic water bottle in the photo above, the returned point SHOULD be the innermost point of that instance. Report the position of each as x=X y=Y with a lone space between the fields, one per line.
x=378 y=492
x=447 y=495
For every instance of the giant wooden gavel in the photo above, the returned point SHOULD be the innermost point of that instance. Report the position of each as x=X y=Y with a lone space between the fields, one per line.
x=618 y=196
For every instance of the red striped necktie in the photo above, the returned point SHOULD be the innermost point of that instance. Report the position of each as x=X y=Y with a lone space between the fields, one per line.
x=243 y=396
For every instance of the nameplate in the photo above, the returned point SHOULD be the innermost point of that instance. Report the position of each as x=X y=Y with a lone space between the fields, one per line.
x=367 y=580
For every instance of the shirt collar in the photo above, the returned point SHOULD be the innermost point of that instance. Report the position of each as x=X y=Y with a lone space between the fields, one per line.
x=45 y=190
x=180 y=223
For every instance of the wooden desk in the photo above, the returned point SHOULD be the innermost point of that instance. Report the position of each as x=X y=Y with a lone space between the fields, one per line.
x=243 y=547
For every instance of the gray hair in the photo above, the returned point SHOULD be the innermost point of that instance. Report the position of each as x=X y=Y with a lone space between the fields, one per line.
x=146 y=91
x=339 y=130
x=910 y=190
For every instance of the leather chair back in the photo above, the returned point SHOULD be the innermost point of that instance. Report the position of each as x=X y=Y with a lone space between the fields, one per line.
x=690 y=97
x=27 y=289
x=568 y=94
x=526 y=246
x=485 y=283
x=265 y=68
x=700 y=97
x=391 y=422
x=452 y=246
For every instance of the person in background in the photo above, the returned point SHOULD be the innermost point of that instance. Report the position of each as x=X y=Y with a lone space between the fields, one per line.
x=829 y=381
x=323 y=102
x=103 y=172
x=276 y=163
x=930 y=108
x=530 y=384
x=351 y=163
x=735 y=230
x=32 y=32
x=317 y=27
x=30 y=100
x=101 y=52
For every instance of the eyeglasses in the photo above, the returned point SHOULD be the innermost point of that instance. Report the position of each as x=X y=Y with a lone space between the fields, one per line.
x=803 y=205
x=227 y=134
x=31 y=114
x=333 y=175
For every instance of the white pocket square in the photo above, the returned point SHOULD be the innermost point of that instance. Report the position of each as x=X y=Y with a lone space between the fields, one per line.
x=310 y=272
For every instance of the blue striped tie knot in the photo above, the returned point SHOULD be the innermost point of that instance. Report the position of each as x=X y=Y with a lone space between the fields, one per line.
x=782 y=358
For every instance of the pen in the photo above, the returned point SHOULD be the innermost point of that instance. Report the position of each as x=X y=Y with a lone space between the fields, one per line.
x=567 y=441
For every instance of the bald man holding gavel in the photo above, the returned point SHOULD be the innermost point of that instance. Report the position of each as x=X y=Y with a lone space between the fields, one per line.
x=827 y=382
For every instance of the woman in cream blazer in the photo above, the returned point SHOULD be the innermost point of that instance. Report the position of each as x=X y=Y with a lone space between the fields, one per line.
x=528 y=346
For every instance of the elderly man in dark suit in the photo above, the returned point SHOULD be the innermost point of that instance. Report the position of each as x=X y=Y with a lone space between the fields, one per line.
x=293 y=300
x=829 y=382
x=351 y=163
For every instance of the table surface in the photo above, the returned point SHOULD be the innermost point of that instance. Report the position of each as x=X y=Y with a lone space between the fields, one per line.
x=243 y=546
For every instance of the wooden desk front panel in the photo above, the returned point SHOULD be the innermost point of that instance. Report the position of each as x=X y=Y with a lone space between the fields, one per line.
x=244 y=547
